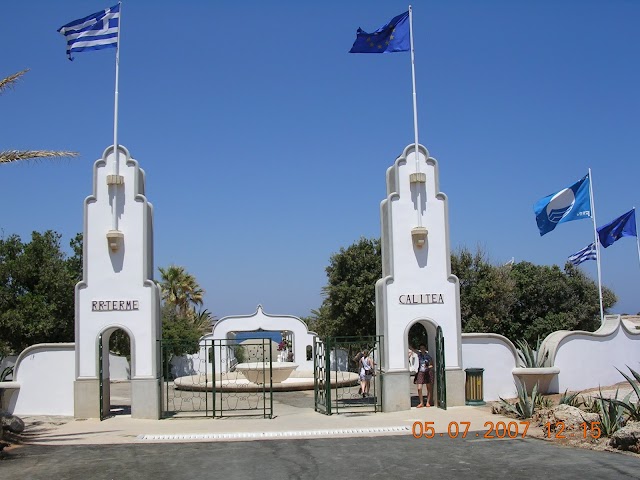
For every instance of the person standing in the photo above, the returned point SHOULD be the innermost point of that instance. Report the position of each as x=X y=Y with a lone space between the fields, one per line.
x=424 y=376
x=366 y=372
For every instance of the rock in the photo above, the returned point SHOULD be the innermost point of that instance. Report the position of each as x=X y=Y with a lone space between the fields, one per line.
x=499 y=409
x=571 y=417
x=627 y=438
x=11 y=423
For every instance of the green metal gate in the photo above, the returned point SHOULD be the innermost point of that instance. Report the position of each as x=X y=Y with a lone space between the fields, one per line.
x=243 y=377
x=321 y=367
x=441 y=385
x=201 y=379
x=337 y=386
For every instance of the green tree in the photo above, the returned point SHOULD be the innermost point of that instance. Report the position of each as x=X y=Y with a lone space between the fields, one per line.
x=36 y=292
x=349 y=304
x=519 y=301
x=9 y=156
x=179 y=335
x=487 y=292
x=551 y=299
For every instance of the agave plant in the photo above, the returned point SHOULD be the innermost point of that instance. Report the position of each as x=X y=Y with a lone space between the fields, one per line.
x=570 y=399
x=544 y=402
x=526 y=405
x=632 y=410
x=10 y=156
x=611 y=413
x=6 y=371
x=590 y=405
x=530 y=358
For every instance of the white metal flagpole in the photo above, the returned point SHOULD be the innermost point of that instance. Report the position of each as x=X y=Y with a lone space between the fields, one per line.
x=415 y=106
x=116 y=167
x=597 y=243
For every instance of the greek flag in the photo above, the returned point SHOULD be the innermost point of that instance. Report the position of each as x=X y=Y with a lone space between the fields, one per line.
x=95 y=32
x=587 y=253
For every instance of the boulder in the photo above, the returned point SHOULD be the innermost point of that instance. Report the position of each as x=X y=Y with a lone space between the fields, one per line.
x=627 y=438
x=571 y=417
x=11 y=423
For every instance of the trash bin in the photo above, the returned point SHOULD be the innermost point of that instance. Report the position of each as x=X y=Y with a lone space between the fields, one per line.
x=474 y=390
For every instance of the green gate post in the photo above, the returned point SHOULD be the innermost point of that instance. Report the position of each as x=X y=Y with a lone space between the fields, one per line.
x=327 y=369
x=441 y=373
x=100 y=380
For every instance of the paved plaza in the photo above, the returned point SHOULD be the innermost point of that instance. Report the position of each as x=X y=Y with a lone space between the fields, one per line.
x=297 y=443
x=388 y=457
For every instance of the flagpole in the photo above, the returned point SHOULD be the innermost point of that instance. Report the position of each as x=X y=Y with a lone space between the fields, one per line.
x=116 y=167
x=415 y=105
x=597 y=242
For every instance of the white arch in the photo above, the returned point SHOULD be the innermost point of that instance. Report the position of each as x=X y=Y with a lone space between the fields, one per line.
x=260 y=320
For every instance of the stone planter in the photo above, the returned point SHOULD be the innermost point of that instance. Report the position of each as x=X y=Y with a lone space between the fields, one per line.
x=530 y=376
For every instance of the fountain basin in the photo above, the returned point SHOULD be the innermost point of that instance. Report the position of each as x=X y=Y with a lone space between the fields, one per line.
x=256 y=372
x=236 y=382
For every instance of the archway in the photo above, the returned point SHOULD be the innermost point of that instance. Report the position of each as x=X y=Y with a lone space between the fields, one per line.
x=115 y=369
x=421 y=331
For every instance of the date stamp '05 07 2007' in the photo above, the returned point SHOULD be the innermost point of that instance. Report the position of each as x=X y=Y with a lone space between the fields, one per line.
x=461 y=429
x=505 y=430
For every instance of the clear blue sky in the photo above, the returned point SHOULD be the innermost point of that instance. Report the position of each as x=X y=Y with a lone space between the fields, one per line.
x=266 y=144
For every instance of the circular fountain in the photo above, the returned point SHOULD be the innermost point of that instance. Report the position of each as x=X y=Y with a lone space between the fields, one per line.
x=254 y=380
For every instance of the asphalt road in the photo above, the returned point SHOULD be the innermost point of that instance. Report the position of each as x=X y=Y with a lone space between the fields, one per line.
x=388 y=457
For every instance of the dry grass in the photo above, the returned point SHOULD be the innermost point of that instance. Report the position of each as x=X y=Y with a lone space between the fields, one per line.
x=11 y=80
x=9 y=156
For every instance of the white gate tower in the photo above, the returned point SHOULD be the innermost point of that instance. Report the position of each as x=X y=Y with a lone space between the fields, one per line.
x=416 y=284
x=117 y=290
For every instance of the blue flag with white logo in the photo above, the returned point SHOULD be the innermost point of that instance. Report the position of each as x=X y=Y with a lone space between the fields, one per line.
x=392 y=37
x=571 y=203
x=623 y=226
x=93 y=32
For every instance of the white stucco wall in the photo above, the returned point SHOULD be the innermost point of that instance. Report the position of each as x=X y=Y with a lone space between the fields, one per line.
x=498 y=356
x=590 y=359
x=45 y=373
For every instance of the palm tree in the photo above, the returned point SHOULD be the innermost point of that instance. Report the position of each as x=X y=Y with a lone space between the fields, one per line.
x=180 y=289
x=10 y=156
x=202 y=320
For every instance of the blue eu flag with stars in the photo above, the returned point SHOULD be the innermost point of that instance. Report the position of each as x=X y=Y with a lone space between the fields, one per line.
x=393 y=37
x=623 y=226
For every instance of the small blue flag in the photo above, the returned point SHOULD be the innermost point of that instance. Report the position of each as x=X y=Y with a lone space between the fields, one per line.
x=623 y=226
x=393 y=37
x=94 y=32
x=587 y=253
x=571 y=203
